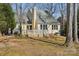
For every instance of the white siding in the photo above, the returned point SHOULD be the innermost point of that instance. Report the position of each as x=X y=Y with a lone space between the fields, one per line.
x=58 y=27
x=49 y=29
x=38 y=27
x=56 y=30
x=24 y=28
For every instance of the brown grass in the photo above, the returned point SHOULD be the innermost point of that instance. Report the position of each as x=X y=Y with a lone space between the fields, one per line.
x=46 y=46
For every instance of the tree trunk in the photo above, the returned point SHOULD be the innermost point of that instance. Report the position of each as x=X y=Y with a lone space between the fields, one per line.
x=11 y=31
x=21 y=18
x=69 y=40
x=75 y=34
x=19 y=15
x=20 y=28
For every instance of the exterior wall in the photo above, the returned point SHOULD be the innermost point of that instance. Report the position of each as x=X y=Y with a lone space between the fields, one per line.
x=49 y=29
x=38 y=32
x=24 y=28
x=56 y=31
x=38 y=26
x=59 y=27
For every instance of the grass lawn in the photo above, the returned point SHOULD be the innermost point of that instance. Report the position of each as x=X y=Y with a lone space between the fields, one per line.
x=52 y=46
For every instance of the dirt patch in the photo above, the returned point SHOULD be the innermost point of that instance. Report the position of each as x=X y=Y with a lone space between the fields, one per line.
x=2 y=45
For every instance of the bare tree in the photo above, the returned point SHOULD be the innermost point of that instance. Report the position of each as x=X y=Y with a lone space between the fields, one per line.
x=69 y=40
x=20 y=18
x=62 y=9
x=51 y=8
x=19 y=13
x=75 y=34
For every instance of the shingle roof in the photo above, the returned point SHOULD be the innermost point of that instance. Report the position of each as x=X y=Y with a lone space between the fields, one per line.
x=41 y=17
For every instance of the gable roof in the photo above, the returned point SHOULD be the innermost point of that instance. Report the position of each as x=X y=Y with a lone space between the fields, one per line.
x=41 y=16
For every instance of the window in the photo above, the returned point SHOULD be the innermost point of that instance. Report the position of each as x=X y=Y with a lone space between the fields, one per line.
x=54 y=27
x=44 y=27
x=41 y=27
x=29 y=27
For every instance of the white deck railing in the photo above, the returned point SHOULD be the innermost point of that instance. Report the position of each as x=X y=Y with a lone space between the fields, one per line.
x=36 y=33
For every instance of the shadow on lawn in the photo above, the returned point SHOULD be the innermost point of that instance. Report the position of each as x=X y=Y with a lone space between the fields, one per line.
x=48 y=42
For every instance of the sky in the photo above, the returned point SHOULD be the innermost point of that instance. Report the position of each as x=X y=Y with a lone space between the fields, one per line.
x=41 y=6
